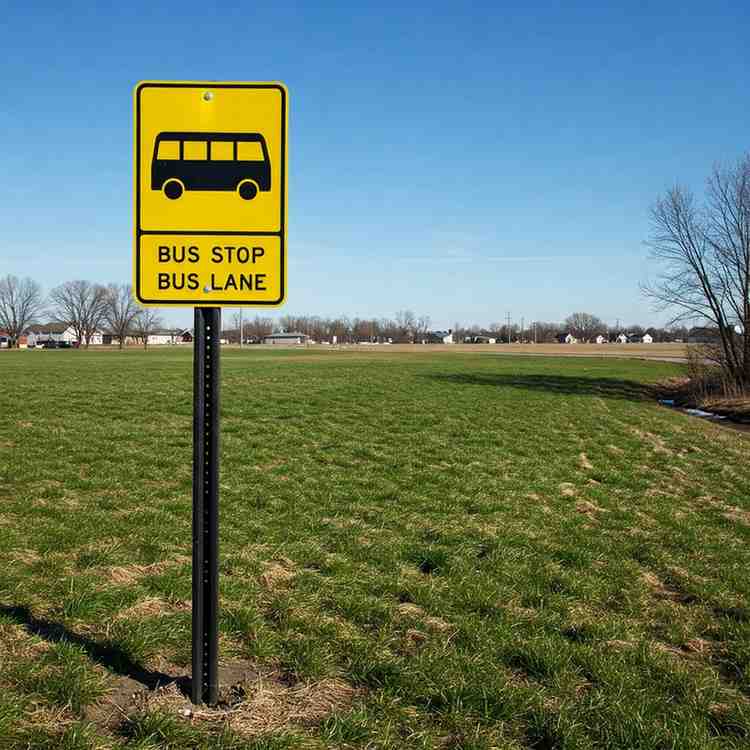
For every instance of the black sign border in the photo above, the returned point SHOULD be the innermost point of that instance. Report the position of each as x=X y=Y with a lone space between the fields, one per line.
x=281 y=234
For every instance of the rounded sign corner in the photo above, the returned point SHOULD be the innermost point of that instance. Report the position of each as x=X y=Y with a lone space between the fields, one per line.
x=139 y=299
x=282 y=88
x=140 y=86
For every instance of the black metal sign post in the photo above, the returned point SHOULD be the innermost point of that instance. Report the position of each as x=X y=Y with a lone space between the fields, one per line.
x=205 y=683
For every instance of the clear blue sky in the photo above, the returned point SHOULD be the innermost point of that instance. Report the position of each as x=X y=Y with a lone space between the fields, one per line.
x=461 y=160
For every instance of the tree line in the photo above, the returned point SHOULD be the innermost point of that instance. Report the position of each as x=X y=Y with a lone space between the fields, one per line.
x=84 y=306
x=404 y=327
x=88 y=307
x=408 y=328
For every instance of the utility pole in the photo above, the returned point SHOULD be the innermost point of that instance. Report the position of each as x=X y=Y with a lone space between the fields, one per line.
x=241 y=336
x=507 y=317
x=522 y=322
x=535 y=332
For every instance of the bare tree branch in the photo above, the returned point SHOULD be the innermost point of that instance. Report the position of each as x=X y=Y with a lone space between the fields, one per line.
x=704 y=258
x=21 y=303
x=145 y=323
x=81 y=305
x=120 y=310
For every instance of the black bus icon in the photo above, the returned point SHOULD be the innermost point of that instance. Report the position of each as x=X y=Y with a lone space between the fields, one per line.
x=210 y=161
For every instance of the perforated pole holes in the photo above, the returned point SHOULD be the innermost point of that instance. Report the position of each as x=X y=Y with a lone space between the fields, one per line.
x=205 y=505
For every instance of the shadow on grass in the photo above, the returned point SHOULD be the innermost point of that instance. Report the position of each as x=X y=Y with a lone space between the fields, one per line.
x=109 y=655
x=630 y=390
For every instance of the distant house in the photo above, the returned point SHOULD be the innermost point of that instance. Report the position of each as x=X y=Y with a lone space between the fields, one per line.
x=164 y=336
x=621 y=339
x=285 y=338
x=601 y=339
x=566 y=338
x=6 y=340
x=647 y=338
x=185 y=336
x=39 y=334
x=439 y=337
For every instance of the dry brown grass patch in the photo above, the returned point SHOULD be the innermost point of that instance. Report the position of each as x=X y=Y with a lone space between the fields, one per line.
x=439 y=625
x=662 y=591
x=153 y=606
x=568 y=489
x=738 y=515
x=264 y=706
x=16 y=643
x=409 y=609
x=619 y=644
x=25 y=556
x=129 y=574
x=699 y=646
x=278 y=573
x=584 y=462
x=668 y=649
x=54 y=721
x=655 y=441
x=588 y=508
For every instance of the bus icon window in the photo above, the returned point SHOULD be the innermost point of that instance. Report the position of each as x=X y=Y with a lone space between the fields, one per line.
x=210 y=161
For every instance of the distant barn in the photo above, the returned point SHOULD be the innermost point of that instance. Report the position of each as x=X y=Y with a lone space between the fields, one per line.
x=285 y=338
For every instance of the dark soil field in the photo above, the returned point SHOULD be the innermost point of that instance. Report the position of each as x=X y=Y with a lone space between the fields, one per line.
x=417 y=551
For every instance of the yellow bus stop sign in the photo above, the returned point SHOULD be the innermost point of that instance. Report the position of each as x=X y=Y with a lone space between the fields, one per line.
x=210 y=193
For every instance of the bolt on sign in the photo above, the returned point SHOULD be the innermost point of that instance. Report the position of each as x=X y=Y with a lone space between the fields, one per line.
x=210 y=193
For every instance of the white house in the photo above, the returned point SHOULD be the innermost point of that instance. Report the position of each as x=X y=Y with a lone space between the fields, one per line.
x=647 y=338
x=600 y=339
x=38 y=334
x=438 y=337
x=622 y=339
x=163 y=336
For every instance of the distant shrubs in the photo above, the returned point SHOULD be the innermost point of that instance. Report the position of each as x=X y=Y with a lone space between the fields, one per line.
x=709 y=381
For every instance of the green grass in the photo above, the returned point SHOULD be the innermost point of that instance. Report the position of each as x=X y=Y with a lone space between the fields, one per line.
x=494 y=552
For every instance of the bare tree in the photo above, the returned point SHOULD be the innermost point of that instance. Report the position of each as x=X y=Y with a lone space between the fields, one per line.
x=704 y=253
x=584 y=325
x=120 y=310
x=145 y=323
x=81 y=305
x=406 y=324
x=546 y=332
x=259 y=327
x=422 y=326
x=21 y=302
x=238 y=328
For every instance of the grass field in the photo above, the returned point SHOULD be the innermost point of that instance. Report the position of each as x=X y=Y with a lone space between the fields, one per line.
x=445 y=551
x=666 y=352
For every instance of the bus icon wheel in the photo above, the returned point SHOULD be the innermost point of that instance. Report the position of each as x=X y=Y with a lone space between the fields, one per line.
x=247 y=189
x=173 y=189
